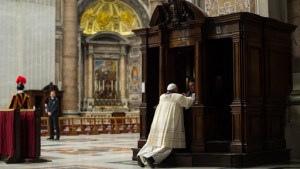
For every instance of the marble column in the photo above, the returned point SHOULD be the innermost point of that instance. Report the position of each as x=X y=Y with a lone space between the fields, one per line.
x=90 y=82
x=90 y=73
x=123 y=83
x=122 y=77
x=70 y=59
x=293 y=114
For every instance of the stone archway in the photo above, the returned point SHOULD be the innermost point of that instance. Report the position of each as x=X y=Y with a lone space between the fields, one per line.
x=111 y=58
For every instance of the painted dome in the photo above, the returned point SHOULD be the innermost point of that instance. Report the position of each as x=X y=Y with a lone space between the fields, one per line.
x=109 y=15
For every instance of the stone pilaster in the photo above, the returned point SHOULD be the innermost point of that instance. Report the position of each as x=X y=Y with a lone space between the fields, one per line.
x=58 y=44
x=123 y=77
x=123 y=83
x=70 y=58
x=90 y=75
x=90 y=100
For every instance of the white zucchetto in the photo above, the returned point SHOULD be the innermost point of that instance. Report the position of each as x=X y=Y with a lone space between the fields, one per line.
x=171 y=86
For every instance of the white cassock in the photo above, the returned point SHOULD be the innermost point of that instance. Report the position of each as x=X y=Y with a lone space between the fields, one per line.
x=167 y=129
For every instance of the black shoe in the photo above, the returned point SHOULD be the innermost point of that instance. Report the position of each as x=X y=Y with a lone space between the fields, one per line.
x=50 y=138
x=150 y=162
x=57 y=138
x=140 y=163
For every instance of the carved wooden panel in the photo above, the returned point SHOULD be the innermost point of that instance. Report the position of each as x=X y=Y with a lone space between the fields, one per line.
x=255 y=72
x=254 y=131
x=278 y=73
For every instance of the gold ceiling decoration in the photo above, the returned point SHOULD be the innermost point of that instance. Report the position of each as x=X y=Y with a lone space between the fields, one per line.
x=109 y=15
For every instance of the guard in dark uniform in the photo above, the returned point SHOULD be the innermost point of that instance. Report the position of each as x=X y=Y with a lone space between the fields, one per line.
x=20 y=100
x=53 y=113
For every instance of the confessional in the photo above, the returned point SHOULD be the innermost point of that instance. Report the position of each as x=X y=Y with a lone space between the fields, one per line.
x=241 y=65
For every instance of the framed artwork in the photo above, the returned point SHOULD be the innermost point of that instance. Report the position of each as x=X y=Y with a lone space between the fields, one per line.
x=134 y=75
x=106 y=81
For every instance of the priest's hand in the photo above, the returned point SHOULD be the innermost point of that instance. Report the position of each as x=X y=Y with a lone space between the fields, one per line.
x=49 y=113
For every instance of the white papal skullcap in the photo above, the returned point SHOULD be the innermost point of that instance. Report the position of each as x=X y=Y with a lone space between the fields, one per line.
x=171 y=86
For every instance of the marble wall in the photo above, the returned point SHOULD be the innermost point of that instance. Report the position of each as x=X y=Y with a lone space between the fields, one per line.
x=223 y=7
x=134 y=73
x=27 y=45
x=278 y=10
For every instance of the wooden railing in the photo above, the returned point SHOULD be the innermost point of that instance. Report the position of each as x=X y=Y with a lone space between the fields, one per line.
x=93 y=125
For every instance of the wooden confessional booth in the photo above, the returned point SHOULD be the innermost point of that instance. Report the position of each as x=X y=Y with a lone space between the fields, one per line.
x=241 y=65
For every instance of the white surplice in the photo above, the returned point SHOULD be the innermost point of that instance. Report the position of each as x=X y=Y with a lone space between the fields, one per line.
x=167 y=129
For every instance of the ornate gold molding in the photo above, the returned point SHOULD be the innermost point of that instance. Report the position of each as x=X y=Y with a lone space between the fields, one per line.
x=109 y=15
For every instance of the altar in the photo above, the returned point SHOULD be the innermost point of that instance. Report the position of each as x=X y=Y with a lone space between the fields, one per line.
x=20 y=136
x=241 y=65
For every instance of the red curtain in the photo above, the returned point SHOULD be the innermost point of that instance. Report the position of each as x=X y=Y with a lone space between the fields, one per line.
x=7 y=137
x=27 y=132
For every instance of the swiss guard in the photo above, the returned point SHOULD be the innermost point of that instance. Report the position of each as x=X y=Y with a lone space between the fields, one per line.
x=20 y=100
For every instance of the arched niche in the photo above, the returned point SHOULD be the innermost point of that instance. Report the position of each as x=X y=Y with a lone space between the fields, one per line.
x=112 y=47
x=111 y=73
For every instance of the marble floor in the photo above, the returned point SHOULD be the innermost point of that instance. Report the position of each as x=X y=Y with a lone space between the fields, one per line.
x=105 y=151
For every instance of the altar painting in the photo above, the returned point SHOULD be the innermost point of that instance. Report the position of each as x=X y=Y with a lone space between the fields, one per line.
x=105 y=81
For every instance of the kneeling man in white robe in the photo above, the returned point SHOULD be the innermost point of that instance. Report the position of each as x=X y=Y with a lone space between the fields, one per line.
x=167 y=129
